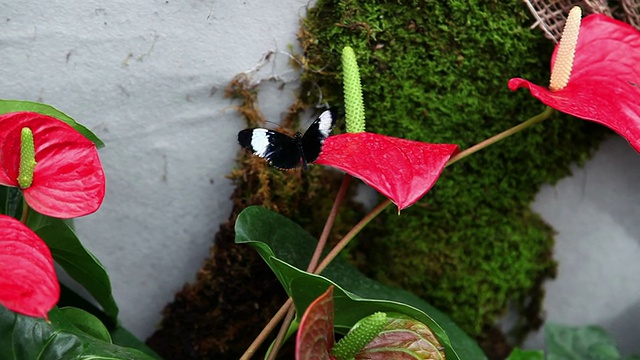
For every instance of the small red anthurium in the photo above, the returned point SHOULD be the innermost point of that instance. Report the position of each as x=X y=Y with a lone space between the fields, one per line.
x=28 y=282
x=403 y=170
x=57 y=168
x=603 y=79
x=315 y=335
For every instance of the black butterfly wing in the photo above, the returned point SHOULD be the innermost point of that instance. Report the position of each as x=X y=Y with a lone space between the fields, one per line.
x=313 y=139
x=280 y=150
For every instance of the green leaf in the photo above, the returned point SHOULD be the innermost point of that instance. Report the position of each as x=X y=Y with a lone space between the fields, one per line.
x=119 y=335
x=586 y=342
x=9 y=106
x=518 y=354
x=123 y=337
x=86 y=323
x=11 y=201
x=75 y=259
x=287 y=248
x=24 y=337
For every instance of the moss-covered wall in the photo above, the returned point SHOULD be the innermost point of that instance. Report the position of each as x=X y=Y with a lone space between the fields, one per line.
x=434 y=71
x=437 y=71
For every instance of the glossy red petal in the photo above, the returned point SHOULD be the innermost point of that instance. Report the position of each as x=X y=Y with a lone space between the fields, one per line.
x=315 y=334
x=403 y=170
x=68 y=180
x=604 y=86
x=28 y=282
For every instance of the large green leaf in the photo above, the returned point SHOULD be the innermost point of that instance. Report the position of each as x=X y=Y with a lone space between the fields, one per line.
x=86 y=323
x=519 y=354
x=583 y=342
x=287 y=248
x=119 y=335
x=75 y=259
x=24 y=337
x=9 y=106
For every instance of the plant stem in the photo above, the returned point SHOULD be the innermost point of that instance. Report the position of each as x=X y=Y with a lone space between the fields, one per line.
x=25 y=211
x=495 y=138
x=329 y=224
x=251 y=350
x=282 y=333
x=350 y=235
x=322 y=241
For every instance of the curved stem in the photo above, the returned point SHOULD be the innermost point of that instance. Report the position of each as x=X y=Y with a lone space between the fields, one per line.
x=350 y=235
x=322 y=241
x=495 y=138
x=25 y=211
x=282 y=333
x=251 y=350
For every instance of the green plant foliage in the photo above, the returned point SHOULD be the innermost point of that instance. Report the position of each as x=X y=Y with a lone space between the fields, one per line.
x=287 y=248
x=518 y=354
x=75 y=259
x=86 y=323
x=59 y=340
x=574 y=342
x=585 y=342
x=118 y=335
x=437 y=71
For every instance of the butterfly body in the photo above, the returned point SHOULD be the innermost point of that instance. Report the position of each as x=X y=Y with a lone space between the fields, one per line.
x=286 y=152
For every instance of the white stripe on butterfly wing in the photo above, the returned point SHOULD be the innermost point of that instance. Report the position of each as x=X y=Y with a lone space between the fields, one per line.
x=326 y=123
x=260 y=142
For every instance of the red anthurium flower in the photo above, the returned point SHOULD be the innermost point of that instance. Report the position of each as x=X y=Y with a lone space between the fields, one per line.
x=403 y=170
x=403 y=338
x=28 y=282
x=68 y=180
x=604 y=85
x=315 y=334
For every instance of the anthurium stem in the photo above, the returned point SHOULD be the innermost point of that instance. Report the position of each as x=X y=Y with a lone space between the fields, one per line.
x=494 y=139
x=25 y=211
x=282 y=333
x=251 y=350
x=322 y=241
x=350 y=235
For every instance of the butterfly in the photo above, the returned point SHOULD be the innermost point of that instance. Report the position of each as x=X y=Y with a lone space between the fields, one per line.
x=285 y=152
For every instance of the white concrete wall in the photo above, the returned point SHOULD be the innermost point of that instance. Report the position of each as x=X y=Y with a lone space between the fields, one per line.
x=597 y=215
x=141 y=75
x=148 y=78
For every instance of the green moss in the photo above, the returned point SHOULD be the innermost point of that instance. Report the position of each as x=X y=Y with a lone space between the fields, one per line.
x=436 y=71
